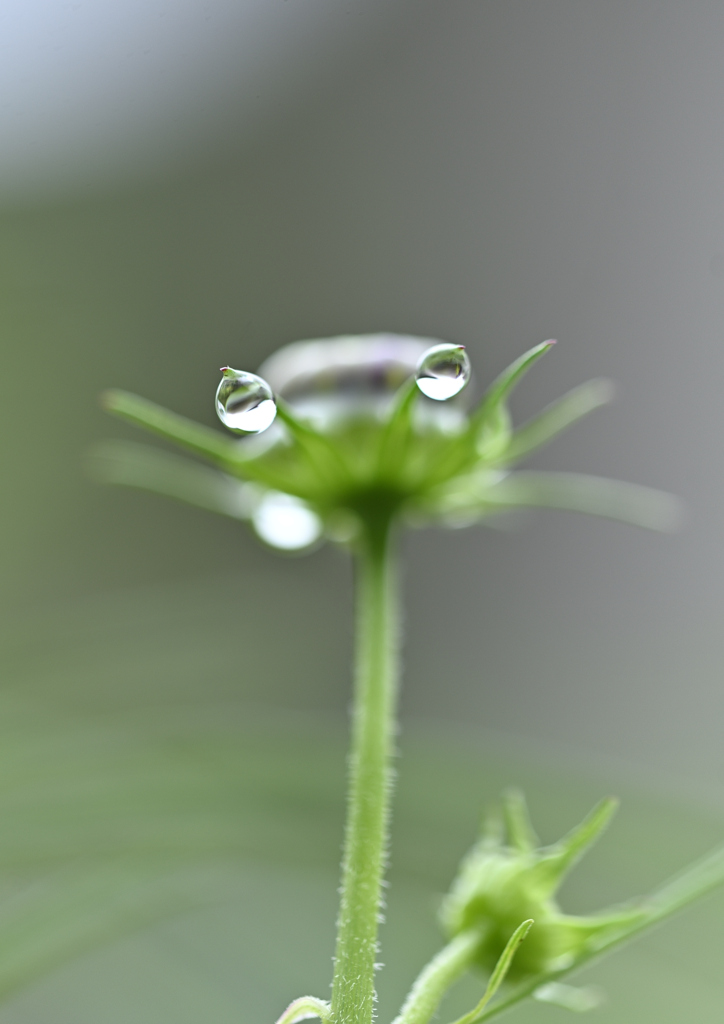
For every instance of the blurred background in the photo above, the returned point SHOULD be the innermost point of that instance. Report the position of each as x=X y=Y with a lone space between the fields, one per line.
x=190 y=183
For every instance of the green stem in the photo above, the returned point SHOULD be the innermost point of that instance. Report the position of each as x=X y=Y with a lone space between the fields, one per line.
x=370 y=778
x=437 y=977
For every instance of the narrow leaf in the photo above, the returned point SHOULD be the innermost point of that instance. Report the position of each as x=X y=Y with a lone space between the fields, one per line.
x=557 y=417
x=613 y=499
x=193 y=436
x=498 y=976
x=139 y=465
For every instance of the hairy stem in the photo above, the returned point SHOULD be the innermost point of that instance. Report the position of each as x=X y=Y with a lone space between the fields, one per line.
x=370 y=774
x=437 y=977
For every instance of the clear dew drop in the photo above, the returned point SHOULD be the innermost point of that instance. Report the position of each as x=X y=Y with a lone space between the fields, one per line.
x=244 y=401
x=286 y=522
x=443 y=371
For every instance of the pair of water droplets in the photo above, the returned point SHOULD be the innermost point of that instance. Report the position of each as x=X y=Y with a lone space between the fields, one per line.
x=245 y=403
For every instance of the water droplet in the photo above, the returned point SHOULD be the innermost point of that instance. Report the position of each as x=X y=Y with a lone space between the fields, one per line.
x=443 y=371
x=286 y=522
x=244 y=401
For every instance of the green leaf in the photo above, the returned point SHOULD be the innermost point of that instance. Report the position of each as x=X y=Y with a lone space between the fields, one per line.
x=138 y=465
x=499 y=972
x=557 y=417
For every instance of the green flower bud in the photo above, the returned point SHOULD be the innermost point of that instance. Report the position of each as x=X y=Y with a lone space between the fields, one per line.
x=356 y=429
x=501 y=884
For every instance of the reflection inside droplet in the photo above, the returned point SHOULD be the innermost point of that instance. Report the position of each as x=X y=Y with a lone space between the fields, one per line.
x=244 y=401
x=286 y=522
x=443 y=371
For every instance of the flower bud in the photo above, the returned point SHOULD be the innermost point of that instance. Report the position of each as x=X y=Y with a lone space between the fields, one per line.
x=500 y=884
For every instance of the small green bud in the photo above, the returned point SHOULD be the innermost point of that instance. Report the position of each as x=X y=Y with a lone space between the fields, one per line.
x=499 y=884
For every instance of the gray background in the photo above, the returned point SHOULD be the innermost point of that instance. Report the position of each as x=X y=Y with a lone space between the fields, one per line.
x=492 y=173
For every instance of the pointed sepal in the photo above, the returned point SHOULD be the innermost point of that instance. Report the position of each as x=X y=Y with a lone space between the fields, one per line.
x=194 y=437
x=397 y=433
x=559 y=859
x=492 y=830
x=517 y=820
x=139 y=465
x=490 y=492
x=556 y=418
x=317 y=449
x=490 y=423
x=231 y=455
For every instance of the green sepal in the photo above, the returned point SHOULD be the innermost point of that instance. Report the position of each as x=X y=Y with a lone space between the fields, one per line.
x=490 y=424
x=560 y=858
x=487 y=493
x=194 y=437
x=489 y=427
x=556 y=418
x=517 y=820
x=131 y=464
x=492 y=830
x=504 y=383
x=397 y=433
x=224 y=452
x=321 y=454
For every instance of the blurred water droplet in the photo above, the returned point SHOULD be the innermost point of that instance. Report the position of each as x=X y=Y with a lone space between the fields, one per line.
x=286 y=522
x=443 y=371
x=244 y=401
